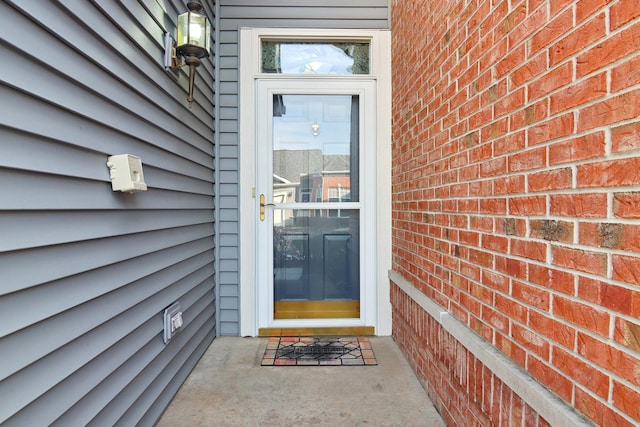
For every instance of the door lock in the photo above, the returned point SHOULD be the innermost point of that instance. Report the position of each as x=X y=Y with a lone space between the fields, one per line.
x=263 y=205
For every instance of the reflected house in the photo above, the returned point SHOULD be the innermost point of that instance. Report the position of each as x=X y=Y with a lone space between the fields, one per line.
x=309 y=176
x=329 y=180
x=316 y=236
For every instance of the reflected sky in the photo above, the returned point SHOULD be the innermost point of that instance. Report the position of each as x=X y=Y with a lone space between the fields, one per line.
x=314 y=58
x=332 y=113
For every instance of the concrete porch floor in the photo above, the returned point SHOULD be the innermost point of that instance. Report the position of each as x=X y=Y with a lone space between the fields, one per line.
x=228 y=387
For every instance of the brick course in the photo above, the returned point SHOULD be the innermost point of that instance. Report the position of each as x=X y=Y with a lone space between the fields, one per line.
x=516 y=199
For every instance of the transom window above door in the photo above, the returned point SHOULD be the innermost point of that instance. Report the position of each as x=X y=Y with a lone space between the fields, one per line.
x=315 y=57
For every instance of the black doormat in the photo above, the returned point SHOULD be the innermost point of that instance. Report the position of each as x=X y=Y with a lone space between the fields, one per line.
x=318 y=351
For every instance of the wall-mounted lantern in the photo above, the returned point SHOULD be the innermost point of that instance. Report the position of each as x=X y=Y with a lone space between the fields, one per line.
x=192 y=42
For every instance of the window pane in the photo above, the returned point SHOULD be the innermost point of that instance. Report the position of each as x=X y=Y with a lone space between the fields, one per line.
x=315 y=57
x=315 y=148
x=316 y=255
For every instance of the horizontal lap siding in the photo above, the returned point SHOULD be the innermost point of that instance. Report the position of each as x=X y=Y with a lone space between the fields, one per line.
x=85 y=273
x=343 y=14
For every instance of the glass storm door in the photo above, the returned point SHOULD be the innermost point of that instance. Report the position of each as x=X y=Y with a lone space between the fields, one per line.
x=311 y=137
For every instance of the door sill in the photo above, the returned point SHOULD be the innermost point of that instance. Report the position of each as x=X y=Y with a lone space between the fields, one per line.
x=316 y=309
x=313 y=332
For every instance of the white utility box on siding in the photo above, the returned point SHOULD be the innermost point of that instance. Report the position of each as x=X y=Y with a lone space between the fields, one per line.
x=126 y=173
x=172 y=321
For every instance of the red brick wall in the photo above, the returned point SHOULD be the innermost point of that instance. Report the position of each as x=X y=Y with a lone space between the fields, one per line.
x=465 y=391
x=516 y=187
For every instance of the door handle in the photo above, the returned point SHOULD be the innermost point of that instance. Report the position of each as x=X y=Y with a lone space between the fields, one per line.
x=263 y=205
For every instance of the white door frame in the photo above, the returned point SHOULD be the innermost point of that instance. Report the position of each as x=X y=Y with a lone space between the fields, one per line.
x=365 y=90
x=249 y=69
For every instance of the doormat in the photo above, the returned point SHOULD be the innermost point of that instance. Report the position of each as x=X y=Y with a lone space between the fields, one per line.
x=318 y=351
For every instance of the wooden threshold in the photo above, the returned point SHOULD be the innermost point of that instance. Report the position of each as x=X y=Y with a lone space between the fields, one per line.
x=316 y=310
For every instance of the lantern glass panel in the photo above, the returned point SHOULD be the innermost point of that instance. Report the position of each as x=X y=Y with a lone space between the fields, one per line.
x=183 y=29
x=197 y=30
x=194 y=30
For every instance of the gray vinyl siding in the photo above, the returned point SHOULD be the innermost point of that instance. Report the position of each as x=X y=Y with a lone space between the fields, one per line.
x=233 y=14
x=86 y=273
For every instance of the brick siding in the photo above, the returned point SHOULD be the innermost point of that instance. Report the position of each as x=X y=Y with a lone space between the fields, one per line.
x=452 y=376
x=516 y=198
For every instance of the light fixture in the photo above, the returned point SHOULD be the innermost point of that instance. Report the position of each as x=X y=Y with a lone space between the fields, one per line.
x=315 y=128
x=191 y=44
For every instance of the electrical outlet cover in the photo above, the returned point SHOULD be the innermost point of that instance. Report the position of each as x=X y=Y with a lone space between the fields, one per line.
x=126 y=173
x=172 y=321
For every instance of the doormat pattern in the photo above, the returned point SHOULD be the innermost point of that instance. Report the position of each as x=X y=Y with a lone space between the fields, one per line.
x=318 y=351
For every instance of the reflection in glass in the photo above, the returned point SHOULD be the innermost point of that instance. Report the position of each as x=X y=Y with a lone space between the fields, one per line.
x=315 y=57
x=316 y=255
x=316 y=249
x=315 y=149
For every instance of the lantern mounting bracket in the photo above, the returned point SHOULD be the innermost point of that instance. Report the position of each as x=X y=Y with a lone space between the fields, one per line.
x=172 y=62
